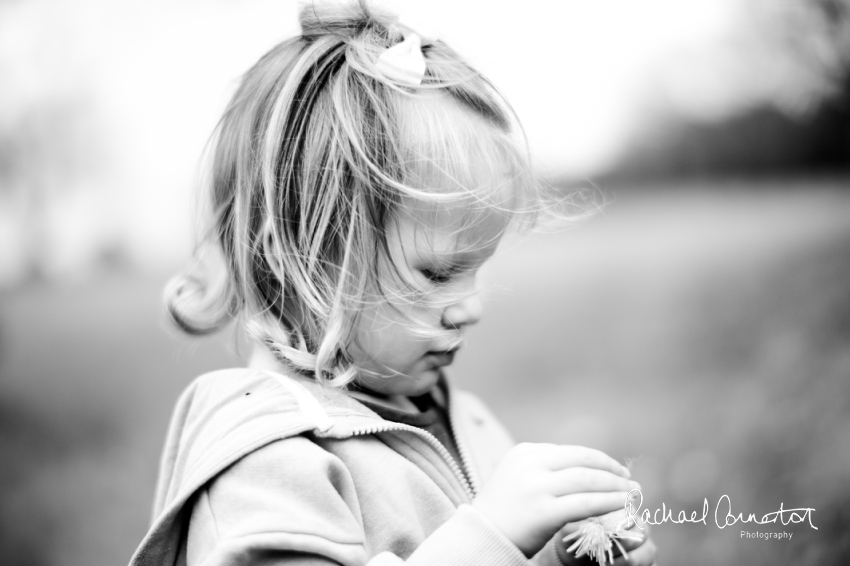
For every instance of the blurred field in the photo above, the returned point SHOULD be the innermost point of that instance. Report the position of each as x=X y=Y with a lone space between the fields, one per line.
x=703 y=328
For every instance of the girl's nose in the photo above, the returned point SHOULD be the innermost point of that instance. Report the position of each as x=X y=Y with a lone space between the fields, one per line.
x=462 y=313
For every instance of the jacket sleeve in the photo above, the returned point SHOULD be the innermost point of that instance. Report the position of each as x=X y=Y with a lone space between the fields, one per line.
x=293 y=503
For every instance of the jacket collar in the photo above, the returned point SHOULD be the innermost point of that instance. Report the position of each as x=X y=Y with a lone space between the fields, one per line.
x=338 y=414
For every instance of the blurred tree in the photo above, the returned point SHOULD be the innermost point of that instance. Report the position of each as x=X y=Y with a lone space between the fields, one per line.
x=815 y=34
x=51 y=146
x=772 y=95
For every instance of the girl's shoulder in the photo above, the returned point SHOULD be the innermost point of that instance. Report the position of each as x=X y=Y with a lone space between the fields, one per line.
x=221 y=418
x=227 y=399
x=226 y=414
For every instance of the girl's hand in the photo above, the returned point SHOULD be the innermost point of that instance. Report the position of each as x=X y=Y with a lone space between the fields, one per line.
x=537 y=488
x=641 y=552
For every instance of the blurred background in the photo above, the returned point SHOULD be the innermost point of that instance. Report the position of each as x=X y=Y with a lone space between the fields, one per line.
x=699 y=323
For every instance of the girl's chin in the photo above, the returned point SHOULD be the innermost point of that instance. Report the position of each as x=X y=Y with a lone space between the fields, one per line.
x=422 y=383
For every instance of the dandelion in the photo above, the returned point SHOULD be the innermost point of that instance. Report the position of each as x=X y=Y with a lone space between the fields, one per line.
x=597 y=536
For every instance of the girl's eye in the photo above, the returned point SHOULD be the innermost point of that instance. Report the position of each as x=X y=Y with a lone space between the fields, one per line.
x=437 y=277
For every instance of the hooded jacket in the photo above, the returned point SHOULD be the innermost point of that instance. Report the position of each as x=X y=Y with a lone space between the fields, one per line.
x=262 y=468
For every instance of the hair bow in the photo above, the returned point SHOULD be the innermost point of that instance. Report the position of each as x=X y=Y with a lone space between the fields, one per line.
x=404 y=62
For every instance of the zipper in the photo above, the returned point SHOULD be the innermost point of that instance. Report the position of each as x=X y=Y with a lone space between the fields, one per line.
x=311 y=407
x=461 y=447
x=436 y=444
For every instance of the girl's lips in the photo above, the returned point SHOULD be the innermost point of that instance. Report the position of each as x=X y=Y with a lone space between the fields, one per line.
x=443 y=358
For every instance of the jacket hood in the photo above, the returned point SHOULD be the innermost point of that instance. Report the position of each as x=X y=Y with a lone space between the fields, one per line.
x=225 y=415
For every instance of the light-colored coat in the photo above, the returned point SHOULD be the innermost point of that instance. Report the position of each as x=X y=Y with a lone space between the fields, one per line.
x=260 y=468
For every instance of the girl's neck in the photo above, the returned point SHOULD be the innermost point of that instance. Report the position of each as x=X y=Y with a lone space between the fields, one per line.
x=397 y=402
x=262 y=359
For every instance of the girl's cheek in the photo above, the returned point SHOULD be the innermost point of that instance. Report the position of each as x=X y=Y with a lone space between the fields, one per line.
x=425 y=312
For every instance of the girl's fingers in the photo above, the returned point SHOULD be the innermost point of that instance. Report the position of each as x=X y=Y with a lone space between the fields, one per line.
x=578 y=480
x=560 y=457
x=578 y=506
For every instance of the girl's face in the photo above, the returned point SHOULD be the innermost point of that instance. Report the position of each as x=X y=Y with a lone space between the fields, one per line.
x=441 y=259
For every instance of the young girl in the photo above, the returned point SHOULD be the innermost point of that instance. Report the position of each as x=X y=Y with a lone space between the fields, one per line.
x=360 y=177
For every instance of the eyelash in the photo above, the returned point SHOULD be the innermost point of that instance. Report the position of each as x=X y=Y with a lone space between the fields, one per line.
x=436 y=277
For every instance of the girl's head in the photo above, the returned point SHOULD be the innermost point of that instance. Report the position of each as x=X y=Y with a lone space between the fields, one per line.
x=352 y=210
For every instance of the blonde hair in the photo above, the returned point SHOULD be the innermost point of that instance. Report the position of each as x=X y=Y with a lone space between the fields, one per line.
x=316 y=154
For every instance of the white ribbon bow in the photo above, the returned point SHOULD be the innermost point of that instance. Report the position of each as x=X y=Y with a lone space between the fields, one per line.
x=404 y=62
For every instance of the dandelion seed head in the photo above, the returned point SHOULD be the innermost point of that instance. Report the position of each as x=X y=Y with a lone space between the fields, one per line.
x=596 y=536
